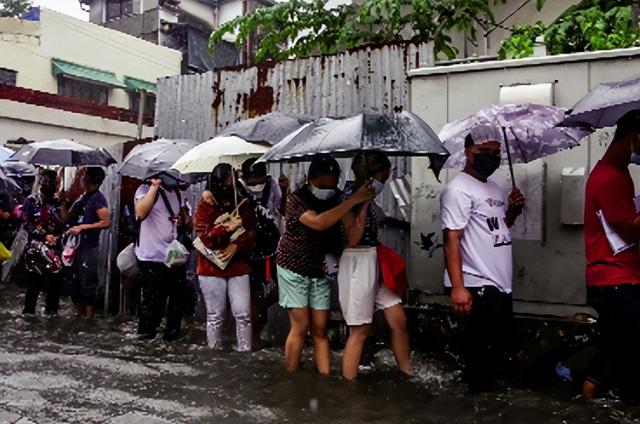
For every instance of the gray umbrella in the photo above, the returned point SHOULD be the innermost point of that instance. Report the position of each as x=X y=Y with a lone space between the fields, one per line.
x=149 y=159
x=398 y=134
x=17 y=169
x=271 y=127
x=605 y=104
x=7 y=185
x=62 y=153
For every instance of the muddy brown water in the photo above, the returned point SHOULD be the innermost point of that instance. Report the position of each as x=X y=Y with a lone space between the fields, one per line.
x=69 y=371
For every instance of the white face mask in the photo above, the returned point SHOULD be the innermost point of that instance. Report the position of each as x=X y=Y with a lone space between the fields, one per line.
x=258 y=188
x=322 y=193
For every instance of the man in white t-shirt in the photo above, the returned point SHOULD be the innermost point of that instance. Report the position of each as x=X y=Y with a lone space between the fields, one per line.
x=476 y=220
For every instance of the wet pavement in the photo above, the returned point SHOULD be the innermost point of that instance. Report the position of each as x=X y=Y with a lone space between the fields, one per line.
x=68 y=371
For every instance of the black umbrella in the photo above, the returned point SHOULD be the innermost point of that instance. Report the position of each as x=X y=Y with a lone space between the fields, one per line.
x=62 y=153
x=271 y=127
x=398 y=134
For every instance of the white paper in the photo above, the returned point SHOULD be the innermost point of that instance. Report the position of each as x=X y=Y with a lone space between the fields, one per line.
x=615 y=241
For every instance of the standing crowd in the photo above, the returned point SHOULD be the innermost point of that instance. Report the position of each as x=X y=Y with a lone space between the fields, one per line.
x=259 y=243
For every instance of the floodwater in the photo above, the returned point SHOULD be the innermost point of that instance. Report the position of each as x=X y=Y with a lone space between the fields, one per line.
x=65 y=370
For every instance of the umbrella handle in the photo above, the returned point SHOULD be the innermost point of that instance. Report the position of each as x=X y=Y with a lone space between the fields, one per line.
x=506 y=143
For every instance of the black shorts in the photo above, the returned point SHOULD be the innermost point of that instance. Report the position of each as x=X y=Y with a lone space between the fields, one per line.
x=84 y=285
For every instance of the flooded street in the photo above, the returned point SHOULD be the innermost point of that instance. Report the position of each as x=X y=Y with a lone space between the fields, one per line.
x=64 y=370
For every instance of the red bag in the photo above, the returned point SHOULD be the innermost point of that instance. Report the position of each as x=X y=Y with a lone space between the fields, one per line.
x=393 y=269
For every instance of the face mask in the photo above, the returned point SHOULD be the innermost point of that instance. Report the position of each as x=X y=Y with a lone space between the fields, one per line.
x=635 y=158
x=377 y=186
x=322 y=193
x=485 y=164
x=258 y=188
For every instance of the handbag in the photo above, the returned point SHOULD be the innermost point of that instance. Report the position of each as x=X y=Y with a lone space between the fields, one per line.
x=213 y=255
x=71 y=244
x=127 y=262
x=393 y=269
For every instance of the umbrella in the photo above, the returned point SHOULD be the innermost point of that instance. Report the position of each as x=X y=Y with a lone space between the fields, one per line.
x=17 y=169
x=204 y=157
x=398 y=134
x=7 y=185
x=63 y=153
x=271 y=127
x=149 y=159
x=605 y=104
x=529 y=131
x=5 y=153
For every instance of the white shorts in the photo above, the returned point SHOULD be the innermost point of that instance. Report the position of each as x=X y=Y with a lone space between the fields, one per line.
x=358 y=288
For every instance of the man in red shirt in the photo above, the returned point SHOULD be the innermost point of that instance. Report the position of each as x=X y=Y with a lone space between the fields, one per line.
x=613 y=278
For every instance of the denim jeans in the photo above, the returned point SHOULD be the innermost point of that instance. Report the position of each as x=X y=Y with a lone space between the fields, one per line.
x=215 y=291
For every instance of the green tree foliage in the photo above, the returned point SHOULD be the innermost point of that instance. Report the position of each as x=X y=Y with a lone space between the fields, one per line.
x=11 y=8
x=299 y=28
x=589 y=25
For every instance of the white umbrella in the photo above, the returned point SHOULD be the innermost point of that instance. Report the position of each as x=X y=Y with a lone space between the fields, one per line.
x=222 y=149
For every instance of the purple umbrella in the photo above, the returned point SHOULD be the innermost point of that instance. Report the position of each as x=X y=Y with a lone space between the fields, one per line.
x=605 y=104
x=530 y=132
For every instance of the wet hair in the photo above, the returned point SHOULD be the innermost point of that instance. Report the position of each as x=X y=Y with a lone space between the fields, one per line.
x=367 y=164
x=218 y=176
x=323 y=164
x=95 y=174
x=252 y=169
x=629 y=122
x=49 y=173
x=482 y=134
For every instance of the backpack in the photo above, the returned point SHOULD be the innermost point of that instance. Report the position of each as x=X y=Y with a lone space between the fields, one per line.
x=267 y=231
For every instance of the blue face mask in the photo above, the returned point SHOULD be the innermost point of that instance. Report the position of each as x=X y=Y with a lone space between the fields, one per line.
x=322 y=193
x=635 y=158
x=377 y=186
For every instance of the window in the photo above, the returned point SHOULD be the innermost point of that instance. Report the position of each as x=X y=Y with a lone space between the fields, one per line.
x=7 y=76
x=96 y=93
x=149 y=103
x=118 y=8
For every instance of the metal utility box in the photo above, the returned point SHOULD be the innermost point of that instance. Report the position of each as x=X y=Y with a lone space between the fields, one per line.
x=572 y=184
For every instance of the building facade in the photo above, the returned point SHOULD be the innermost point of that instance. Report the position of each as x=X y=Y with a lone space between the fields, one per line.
x=61 y=77
x=184 y=25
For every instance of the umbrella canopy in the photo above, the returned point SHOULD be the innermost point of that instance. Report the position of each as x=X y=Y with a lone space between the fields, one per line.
x=530 y=129
x=5 y=153
x=63 y=153
x=149 y=159
x=605 y=104
x=270 y=128
x=17 y=169
x=399 y=134
x=7 y=185
x=204 y=157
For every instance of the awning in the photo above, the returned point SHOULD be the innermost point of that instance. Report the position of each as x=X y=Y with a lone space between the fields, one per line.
x=72 y=70
x=138 y=84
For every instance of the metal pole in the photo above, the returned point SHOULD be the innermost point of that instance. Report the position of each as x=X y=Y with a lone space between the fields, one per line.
x=506 y=143
x=142 y=98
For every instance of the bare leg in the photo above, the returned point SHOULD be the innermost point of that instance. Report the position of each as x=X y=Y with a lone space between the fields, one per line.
x=90 y=312
x=299 y=319
x=397 y=321
x=589 y=390
x=321 y=353
x=353 y=350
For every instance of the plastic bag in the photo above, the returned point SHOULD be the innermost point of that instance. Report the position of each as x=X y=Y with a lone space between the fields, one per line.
x=5 y=254
x=71 y=244
x=127 y=262
x=393 y=269
x=176 y=254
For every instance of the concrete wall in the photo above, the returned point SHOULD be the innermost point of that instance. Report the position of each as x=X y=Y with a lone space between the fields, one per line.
x=229 y=10
x=552 y=271
x=144 y=25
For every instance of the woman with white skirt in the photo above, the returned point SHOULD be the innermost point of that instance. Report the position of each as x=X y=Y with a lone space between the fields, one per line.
x=360 y=290
x=231 y=283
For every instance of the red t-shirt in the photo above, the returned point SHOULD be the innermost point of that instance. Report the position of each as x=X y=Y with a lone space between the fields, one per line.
x=611 y=190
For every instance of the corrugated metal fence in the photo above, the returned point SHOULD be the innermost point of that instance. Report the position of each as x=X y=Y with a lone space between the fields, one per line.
x=368 y=79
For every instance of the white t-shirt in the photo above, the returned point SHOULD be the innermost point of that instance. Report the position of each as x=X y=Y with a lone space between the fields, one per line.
x=480 y=210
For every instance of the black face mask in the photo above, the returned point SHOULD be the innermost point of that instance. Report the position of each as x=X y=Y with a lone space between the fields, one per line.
x=485 y=164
